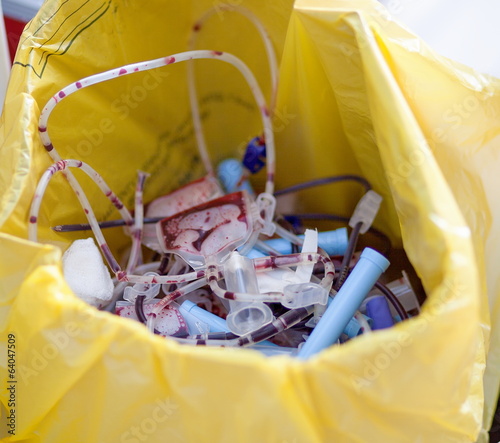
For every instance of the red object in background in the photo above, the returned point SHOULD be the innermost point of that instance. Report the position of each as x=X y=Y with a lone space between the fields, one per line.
x=13 y=29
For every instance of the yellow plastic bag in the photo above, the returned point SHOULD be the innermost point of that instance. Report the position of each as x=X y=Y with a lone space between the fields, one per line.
x=358 y=94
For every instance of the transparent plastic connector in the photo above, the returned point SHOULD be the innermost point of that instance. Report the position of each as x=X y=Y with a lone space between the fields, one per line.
x=366 y=211
x=241 y=277
x=248 y=317
x=150 y=291
x=267 y=206
x=304 y=294
x=403 y=290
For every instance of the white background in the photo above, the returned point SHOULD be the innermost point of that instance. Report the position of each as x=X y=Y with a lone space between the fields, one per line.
x=466 y=31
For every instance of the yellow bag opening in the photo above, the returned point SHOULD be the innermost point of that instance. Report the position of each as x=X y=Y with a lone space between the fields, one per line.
x=357 y=95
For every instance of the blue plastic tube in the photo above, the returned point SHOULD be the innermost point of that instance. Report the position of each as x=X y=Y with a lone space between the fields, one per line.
x=378 y=309
x=192 y=312
x=367 y=271
x=333 y=242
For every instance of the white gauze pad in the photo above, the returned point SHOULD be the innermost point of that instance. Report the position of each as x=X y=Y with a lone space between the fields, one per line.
x=86 y=273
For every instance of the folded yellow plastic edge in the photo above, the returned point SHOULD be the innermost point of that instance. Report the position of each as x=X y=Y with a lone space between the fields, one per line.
x=365 y=95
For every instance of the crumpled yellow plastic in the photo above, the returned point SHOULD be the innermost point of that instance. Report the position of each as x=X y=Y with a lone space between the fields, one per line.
x=358 y=94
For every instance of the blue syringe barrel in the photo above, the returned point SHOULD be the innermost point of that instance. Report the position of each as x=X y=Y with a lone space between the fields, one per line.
x=367 y=271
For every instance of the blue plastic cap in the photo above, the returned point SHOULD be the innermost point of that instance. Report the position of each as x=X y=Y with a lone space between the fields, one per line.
x=353 y=328
x=378 y=309
x=334 y=242
x=215 y=323
x=229 y=173
x=195 y=325
x=188 y=305
x=255 y=155
x=296 y=222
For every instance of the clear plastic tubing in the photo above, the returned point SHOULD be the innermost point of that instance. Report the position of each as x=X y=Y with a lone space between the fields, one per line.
x=367 y=271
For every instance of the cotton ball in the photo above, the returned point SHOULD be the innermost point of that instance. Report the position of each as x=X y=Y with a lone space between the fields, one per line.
x=86 y=273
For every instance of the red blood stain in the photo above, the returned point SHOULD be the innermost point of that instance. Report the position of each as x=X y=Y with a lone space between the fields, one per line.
x=170 y=226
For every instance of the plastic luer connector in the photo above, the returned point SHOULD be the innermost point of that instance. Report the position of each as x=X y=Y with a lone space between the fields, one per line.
x=149 y=290
x=212 y=229
x=304 y=294
x=367 y=271
x=244 y=317
x=366 y=210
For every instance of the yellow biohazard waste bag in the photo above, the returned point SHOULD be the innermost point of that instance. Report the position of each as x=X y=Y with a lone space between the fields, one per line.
x=357 y=94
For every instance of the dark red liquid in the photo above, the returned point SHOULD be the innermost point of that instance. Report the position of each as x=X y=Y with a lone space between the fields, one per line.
x=171 y=226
